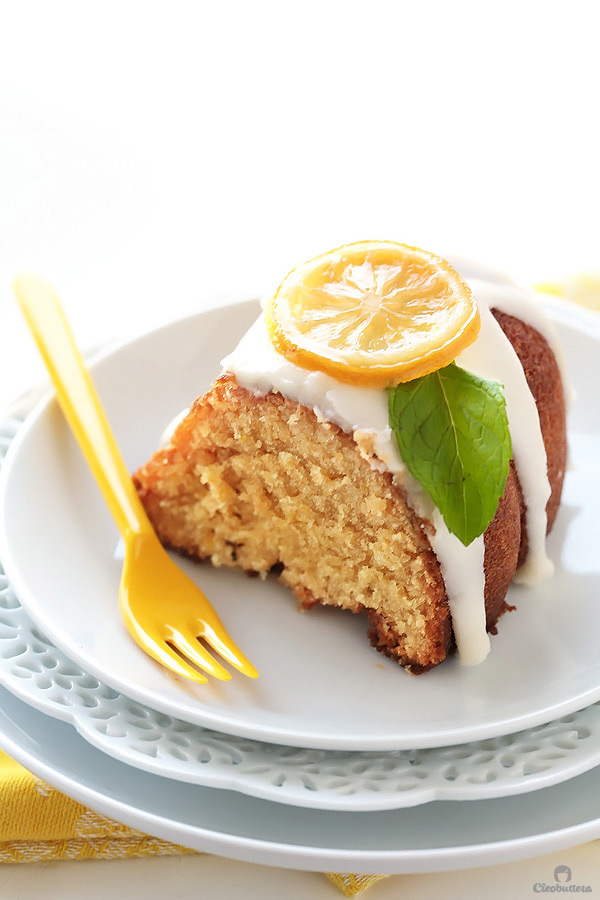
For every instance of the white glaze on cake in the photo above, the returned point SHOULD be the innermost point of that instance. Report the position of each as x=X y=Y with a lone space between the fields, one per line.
x=363 y=412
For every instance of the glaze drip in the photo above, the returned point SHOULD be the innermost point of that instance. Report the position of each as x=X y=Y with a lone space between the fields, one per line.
x=363 y=412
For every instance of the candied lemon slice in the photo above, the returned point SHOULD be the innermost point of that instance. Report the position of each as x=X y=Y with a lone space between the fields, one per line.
x=373 y=313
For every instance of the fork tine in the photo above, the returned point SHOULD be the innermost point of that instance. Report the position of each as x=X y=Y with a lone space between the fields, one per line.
x=197 y=654
x=228 y=650
x=168 y=658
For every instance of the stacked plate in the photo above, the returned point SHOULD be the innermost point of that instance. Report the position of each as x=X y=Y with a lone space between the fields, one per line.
x=334 y=758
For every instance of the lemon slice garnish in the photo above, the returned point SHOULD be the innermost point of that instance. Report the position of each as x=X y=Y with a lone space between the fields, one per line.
x=373 y=313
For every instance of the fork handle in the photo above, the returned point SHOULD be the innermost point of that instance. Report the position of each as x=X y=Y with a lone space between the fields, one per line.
x=80 y=402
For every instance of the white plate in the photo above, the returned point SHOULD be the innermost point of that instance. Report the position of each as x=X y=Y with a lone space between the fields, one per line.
x=320 y=684
x=434 y=837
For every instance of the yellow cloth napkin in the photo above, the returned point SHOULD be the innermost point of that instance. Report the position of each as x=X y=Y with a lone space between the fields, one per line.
x=39 y=823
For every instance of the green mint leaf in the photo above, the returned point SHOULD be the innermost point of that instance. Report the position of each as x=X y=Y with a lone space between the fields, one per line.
x=452 y=432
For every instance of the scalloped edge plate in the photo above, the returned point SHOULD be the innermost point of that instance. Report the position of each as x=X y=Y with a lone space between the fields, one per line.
x=435 y=837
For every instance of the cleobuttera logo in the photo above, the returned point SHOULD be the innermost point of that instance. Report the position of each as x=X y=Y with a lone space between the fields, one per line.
x=562 y=884
x=562 y=874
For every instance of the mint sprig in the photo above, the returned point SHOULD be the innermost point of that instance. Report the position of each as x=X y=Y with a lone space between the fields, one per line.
x=452 y=432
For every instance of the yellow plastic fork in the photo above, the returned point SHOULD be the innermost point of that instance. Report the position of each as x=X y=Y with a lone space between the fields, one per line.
x=164 y=611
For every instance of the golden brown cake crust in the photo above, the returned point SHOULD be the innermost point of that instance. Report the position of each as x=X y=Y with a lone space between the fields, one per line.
x=545 y=383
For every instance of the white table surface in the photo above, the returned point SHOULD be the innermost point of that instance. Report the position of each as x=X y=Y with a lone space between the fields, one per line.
x=159 y=158
x=220 y=879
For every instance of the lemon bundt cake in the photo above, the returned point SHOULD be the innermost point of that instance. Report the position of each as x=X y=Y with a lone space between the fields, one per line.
x=305 y=457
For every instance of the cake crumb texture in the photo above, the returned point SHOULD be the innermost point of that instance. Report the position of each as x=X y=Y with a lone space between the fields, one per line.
x=261 y=483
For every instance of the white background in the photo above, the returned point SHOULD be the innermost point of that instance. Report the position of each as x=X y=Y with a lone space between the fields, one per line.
x=160 y=157
x=156 y=157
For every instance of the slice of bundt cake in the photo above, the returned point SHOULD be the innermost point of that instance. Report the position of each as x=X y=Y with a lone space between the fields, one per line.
x=290 y=470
